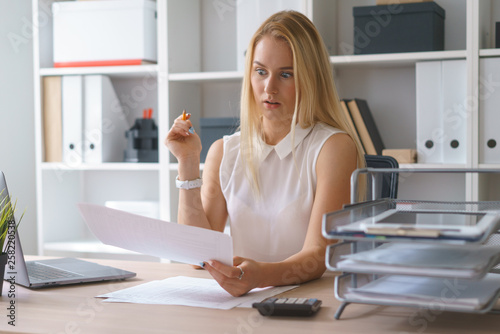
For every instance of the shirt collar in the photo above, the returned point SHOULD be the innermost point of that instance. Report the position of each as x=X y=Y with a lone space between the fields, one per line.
x=284 y=147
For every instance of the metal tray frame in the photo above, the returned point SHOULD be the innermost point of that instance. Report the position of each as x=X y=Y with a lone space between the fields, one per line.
x=354 y=243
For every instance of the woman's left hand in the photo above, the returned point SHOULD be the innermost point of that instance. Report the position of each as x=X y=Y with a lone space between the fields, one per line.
x=237 y=279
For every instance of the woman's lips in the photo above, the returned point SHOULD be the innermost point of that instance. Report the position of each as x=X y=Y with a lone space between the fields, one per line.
x=272 y=104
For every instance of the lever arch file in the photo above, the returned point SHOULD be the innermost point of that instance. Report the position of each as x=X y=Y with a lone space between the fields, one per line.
x=104 y=122
x=72 y=123
x=441 y=111
x=454 y=90
x=489 y=115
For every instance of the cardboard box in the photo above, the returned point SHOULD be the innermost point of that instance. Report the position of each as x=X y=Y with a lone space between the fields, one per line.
x=393 y=2
x=104 y=33
x=411 y=27
x=402 y=156
x=213 y=129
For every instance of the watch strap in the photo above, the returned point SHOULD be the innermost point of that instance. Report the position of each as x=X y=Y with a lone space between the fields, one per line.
x=188 y=184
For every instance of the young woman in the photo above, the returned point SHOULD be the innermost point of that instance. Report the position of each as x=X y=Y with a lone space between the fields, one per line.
x=289 y=164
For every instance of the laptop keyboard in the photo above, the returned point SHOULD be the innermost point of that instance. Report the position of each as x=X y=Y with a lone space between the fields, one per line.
x=38 y=271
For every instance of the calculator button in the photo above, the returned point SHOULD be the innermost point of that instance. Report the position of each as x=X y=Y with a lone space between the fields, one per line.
x=301 y=300
x=281 y=301
x=291 y=300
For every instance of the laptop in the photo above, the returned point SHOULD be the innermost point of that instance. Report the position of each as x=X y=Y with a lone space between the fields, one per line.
x=53 y=272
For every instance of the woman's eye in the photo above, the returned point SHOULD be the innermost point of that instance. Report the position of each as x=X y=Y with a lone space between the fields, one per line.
x=286 y=75
x=260 y=71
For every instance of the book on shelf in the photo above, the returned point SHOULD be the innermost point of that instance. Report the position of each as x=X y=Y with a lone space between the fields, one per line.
x=52 y=119
x=402 y=155
x=365 y=126
x=350 y=122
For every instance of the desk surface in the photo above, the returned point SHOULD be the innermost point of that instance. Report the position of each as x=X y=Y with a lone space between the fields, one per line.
x=73 y=309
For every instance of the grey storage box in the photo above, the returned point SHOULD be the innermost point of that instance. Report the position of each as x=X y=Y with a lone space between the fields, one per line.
x=411 y=27
x=215 y=128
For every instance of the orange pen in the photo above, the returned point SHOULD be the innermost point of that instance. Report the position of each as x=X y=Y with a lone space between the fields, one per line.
x=184 y=118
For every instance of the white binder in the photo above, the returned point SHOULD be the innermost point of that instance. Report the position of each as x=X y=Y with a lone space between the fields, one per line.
x=429 y=116
x=72 y=99
x=489 y=113
x=454 y=88
x=104 y=122
x=441 y=111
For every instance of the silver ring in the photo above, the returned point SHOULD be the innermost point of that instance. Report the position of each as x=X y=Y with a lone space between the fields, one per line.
x=242 y=272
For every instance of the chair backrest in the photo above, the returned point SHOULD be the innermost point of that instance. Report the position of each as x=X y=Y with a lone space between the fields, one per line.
x=388 y=181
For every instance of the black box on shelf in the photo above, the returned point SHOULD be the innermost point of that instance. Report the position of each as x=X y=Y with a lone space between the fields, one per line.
x=497 y=35
x=213 y=129
x=410 y=27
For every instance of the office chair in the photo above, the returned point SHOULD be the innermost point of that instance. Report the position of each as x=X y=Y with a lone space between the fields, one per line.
x=388 y=181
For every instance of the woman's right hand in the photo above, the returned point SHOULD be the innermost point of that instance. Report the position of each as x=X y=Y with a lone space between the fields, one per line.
x=183 y=144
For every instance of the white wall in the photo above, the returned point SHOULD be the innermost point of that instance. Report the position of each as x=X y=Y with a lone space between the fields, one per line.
x=17 y=149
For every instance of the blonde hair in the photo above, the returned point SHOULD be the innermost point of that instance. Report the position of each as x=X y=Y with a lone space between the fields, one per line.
x=316 y=94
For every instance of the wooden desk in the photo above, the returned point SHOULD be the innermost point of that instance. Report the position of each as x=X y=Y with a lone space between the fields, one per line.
x=73 y=309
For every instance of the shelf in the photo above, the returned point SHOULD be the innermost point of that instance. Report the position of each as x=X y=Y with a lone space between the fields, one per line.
x=395 y=59
x=432 y=166
x=489 y=53
x=489 y=166
x=205 y=76
x=109 y=166
x=115 y=71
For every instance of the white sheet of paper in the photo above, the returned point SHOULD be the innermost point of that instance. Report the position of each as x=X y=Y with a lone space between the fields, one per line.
x=156 y=237
x=190 y=291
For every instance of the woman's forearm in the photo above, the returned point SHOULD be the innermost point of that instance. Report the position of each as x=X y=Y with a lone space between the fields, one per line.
x=302 y=267
x=190 y=210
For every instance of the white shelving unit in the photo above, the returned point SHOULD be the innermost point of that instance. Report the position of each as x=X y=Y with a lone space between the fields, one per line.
x=60 y=186
x=197 y=70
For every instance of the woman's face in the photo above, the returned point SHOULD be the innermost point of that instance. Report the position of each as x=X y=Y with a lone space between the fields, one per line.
x=272 y=79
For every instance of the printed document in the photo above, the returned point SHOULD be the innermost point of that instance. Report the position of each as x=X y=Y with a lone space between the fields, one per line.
x=190 y=291
x=176 y=242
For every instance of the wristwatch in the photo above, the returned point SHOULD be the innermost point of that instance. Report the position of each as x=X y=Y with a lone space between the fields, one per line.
x=188 y=184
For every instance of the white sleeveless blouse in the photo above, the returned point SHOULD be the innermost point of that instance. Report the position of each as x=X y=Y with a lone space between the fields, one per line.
x=273 y=227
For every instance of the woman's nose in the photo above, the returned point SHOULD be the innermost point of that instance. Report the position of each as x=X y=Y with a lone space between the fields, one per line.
x=271 y=86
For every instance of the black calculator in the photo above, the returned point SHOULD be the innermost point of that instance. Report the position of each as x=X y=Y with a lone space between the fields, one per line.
x=288 y=306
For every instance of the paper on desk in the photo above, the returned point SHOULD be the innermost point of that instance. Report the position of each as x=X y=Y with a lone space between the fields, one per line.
x=190 y=291
x=155 y=237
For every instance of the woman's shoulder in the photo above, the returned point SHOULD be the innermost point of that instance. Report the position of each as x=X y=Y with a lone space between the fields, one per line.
x=235 y=137
x=231 y=146
x=228 y=143
x=331 y=138
x=325 y=129
x=232 y=141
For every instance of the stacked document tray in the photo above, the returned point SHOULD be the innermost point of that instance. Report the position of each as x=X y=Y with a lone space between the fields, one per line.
x=416 y=254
